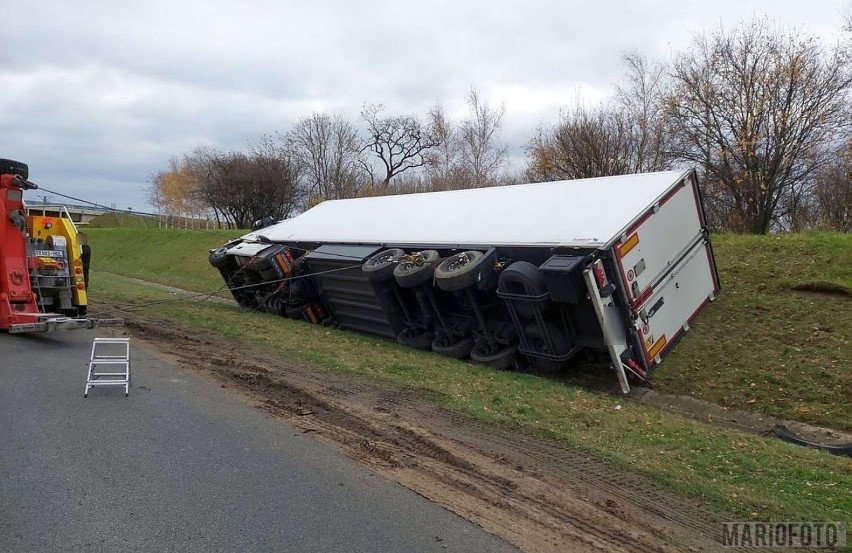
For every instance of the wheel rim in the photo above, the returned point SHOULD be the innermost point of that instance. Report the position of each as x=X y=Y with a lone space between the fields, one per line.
x=382 y=259
x=459 y=261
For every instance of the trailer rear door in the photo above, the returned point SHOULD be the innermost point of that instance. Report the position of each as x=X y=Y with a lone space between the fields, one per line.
x=667 y=311
x=658 y=238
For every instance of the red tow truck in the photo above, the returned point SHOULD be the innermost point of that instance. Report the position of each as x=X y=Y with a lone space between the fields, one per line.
x=43 y=263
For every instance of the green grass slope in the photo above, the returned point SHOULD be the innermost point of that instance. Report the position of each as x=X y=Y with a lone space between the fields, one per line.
x=165 y=256
x=749 y=477
x=778 y=339
x=123 y=220
x=762 y=345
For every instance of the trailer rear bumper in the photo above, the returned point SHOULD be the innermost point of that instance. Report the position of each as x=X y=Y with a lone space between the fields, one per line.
x=63 y=323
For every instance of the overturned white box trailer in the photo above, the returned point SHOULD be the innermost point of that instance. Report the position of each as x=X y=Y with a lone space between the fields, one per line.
x=506 y=275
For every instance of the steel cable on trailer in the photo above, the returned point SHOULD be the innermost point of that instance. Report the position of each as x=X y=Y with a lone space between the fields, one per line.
x=136 y=306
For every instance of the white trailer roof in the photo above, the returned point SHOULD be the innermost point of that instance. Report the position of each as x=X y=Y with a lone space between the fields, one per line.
x=586 y=212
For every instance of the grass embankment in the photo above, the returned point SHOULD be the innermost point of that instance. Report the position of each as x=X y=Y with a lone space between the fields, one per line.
x=754 y=477
x=779 y=337
x=123 y=220
x=172 y=257
x=761 y=346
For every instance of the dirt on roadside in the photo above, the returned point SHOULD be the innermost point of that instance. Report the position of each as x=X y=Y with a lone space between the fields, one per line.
x=534 y=493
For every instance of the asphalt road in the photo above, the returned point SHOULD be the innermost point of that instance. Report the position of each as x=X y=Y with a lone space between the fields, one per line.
x=183 y=465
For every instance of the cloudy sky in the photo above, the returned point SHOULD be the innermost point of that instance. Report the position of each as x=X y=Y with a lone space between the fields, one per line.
x=96 y=95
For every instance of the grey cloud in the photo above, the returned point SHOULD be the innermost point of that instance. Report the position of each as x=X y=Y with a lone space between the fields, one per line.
x=96 y=95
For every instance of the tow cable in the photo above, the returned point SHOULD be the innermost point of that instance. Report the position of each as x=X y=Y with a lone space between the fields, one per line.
x=788 y=435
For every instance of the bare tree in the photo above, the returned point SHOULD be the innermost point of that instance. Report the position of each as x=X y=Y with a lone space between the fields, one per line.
x=173 y=191
x=209 y=189
x=400 y=142
x=273 y=180
x=833 y=191
x=482 y=152
x=443 y=161
x=585 y=143
x=847 y=18
x=758 y=109
x=328 y=148
x=244 y=187
x=642 y=97
x=624 y=135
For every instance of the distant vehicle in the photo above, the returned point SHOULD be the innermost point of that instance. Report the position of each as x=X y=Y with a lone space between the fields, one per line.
x=505 y=275
x=44 y=262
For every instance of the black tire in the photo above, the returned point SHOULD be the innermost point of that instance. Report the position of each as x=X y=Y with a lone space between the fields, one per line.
x=86 y=260
x=295 y=312
x=502 y=359
x=423 y=340
x=459 y=271
x=414 y=272
x=524 y=278
x=537 y=341
x=788 y=435
x=12 y=167
x=380 y=266
x=456 y=350
x=219 y=259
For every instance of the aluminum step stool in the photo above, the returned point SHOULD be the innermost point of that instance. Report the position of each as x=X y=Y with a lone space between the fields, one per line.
x=120 y=360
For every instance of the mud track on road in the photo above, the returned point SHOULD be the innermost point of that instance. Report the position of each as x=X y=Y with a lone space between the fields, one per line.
x=534 y=493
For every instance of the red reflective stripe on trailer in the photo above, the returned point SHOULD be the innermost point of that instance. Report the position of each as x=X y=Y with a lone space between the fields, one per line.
x=622 y=276
x=634 y=302
x=643 y=296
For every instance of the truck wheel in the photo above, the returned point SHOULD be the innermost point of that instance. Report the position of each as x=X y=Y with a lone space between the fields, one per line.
x=86 y=260
x=523 y=278
x=456 y=350
x=459 y=271
x=416 y=269
x=219 y=259
x=502 y=359
x=12 y=167
x=381 y=265
x=295 y=312
x=538 y=344
x=408 y=338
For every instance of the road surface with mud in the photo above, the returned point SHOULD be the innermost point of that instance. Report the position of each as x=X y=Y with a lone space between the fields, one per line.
x=531 y=492
x=185 y=465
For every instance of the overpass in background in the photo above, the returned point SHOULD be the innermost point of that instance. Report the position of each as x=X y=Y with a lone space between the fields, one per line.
x=79 y=213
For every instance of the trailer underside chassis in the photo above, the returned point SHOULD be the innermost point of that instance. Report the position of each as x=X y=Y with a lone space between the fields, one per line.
x=478 y=304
